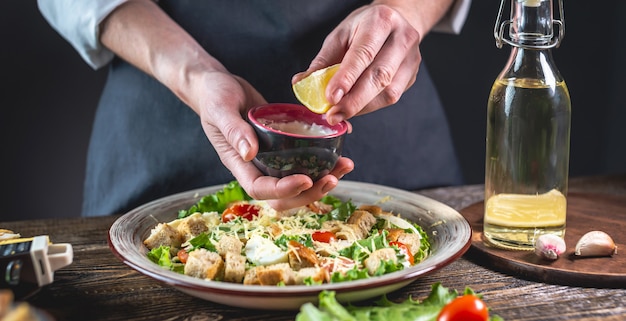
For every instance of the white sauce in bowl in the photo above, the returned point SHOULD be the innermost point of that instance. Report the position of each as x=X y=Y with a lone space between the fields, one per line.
x=298 y=127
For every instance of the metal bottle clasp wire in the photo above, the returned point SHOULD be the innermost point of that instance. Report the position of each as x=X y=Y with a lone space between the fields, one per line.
x=502 y=25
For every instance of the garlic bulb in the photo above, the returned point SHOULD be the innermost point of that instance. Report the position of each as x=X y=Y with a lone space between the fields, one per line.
x=549 y=246
x=595 y=243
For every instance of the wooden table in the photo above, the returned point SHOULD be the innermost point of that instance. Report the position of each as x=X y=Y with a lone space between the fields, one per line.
x=97 y=286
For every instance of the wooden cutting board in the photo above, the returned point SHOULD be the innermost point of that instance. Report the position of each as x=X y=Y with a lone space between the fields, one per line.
x=585 y=212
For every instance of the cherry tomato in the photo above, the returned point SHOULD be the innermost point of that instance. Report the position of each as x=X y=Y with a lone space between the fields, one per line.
x=404 y=250
x=464 y=308
x=323 y=236
x=244 y=210
x=182 y=255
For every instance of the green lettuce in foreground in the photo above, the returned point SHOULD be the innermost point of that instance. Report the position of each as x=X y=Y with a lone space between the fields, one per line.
x=412 y=310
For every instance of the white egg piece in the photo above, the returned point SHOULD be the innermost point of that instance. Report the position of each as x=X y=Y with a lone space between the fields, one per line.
x=262 y=251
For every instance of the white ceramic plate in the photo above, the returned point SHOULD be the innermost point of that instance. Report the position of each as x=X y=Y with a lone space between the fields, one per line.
x=450 y=236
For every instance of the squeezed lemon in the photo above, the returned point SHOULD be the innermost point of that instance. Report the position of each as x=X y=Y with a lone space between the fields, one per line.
x=311 y=90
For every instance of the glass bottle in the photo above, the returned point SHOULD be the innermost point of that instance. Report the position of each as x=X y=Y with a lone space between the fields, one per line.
x=528 y=132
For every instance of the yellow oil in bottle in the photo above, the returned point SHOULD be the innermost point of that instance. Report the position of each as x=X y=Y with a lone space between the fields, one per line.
x=516 y=220
x=527 y=163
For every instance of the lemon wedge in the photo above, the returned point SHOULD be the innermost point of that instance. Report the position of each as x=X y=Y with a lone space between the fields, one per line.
x=311 y=90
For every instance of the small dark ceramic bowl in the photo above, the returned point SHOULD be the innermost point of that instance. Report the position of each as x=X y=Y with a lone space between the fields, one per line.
x=295 y=140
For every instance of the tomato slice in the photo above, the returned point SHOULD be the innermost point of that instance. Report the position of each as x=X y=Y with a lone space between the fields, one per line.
x=323 y=236
x=464 y=308
x=404 y=250
x=244 y=210
x=182 y=255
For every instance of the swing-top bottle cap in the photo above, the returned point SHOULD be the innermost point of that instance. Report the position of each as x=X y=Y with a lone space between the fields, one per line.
x=531 y=25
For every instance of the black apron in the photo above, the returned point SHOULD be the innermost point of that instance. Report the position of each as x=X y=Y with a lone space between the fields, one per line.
x=147 y=144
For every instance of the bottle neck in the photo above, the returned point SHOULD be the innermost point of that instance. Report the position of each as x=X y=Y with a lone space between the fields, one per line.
x=526 y=66
x=531 y=24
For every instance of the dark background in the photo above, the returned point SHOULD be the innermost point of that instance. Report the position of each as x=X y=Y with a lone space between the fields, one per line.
x=49 y=95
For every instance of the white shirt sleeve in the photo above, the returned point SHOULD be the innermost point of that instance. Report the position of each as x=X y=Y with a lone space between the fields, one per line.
x=78 y=22
x=454 y=19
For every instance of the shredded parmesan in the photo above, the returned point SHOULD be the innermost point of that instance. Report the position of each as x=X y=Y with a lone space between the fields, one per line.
x=259 y=234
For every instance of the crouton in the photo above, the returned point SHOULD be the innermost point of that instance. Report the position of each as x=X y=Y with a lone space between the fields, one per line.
x=275 y=230
x=251 y=277
x=276 y=274
x=235 y=267
x=411 y=240
x=363 y=220
x=373 y=262
x=163 y=234
x=315 y=273
x=343 y=231
x=319 y=207
x=350 y=232
x=332 y=226
x=301 y=256
x=374 y=209
x=205 y=265
x=191 y=226
x=394 y=233
x=229 y=243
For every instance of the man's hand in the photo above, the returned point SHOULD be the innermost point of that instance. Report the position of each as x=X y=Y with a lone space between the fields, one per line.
x=378 y=48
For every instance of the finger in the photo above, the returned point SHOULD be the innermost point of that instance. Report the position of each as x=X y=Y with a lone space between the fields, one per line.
x=384 y=75
x=262 y=187
x=223 y=118
x=267 y=187
x=343 y=167
x=369 y=38
x=331 y=53
x=244 y=170
x=318 y=190
x=363 y=49
x=236 y=133
x=349 y=127
x=403 y=80
x=257 y=185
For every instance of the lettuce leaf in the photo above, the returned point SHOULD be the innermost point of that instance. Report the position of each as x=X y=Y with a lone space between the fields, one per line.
x=341 y=210
x=218 y=201
x=283 y=240
x=360 y=249
x=161 y=256
x=349 y=275
x=388 y=267
x=330 y=310
x=427 y=310
x=203 y=240
x=424 y=250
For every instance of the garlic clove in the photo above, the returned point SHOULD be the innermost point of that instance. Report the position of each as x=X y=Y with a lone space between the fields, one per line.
x=595 y=243
x=549 y=246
